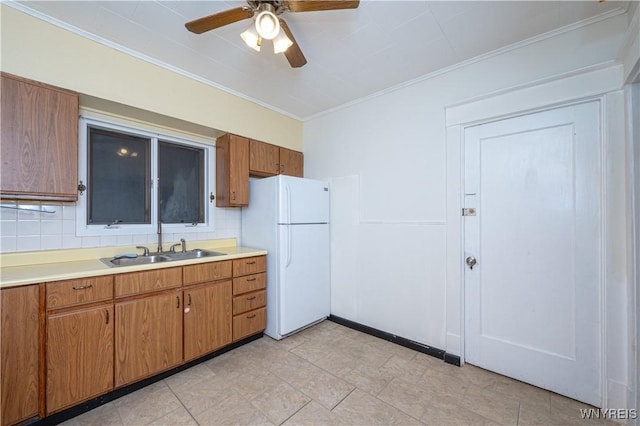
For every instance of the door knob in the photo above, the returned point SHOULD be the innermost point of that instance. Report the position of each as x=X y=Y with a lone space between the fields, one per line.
x=471 y=261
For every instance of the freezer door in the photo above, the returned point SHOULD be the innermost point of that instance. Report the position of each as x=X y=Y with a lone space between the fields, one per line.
x=304 y=275
x=302 y=200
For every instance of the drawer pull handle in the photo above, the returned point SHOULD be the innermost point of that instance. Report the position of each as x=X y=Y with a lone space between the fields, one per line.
x=251 y=316
x=251 y=263
x=83 y=287
x=251 y=279
x=106 y=316
x=251 y=298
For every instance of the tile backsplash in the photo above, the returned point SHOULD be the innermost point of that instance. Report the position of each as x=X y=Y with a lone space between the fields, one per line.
x=27 y=230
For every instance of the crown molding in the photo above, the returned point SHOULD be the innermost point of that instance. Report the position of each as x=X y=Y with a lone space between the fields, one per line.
x=474 y=60
x=515 y=46
x=22 y=7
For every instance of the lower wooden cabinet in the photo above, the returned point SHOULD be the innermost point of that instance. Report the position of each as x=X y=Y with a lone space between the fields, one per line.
x=249 y=296
x=66 y=342
x=207 y=318
x=20 y=353
x=148 y=336
x=79 y=356
x=249 y=323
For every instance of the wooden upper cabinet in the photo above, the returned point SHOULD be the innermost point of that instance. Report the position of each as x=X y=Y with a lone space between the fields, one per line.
x=291 y=162
x=270 y=160
x=264 y=159
x=20 y=353
x=39 y=141
x=232 y=171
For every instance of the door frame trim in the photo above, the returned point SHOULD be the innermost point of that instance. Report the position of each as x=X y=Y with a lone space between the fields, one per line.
x=600 y=85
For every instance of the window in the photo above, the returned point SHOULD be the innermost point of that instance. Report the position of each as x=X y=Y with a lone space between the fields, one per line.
x=136 y=178
x=119 y=176
x=181 y=183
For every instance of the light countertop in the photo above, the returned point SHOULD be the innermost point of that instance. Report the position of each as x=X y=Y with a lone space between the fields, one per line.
x=55 y=265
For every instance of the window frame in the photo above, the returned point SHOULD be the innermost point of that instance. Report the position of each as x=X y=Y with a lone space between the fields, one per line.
x=83 y=229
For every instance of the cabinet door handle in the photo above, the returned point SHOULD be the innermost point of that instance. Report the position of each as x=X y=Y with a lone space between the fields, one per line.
x=106 y=317
x=189 y=299
x=251 y=298
x=251 y=316
x=281 y=168
x=234 y=195
x=251 y=279
x=251 y=263
x=83 y=287
x=178 y=302
x=277 y=167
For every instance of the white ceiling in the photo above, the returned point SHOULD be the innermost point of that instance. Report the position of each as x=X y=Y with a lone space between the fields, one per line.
x=350 y=53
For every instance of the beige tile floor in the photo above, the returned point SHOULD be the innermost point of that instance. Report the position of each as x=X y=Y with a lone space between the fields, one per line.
x=333 y=375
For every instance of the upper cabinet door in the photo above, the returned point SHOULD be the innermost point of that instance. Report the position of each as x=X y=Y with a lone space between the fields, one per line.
x=232 y=171
x=39 y=140
x=264 y=159
x=291 y=162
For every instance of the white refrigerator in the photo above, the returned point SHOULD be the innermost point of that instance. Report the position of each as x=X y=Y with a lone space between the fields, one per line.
x=289 y=217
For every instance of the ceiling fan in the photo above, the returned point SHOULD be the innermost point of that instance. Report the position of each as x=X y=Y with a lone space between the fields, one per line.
x=268 y=24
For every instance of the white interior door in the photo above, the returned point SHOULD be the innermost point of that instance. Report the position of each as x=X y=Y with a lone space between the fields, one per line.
x=532 y=301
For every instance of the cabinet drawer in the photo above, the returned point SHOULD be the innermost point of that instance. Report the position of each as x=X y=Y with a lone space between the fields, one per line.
x=76 y=292
x=249 y=283
x=249 y=265
x=144 y=282
x=249 y=301
x=206 y=272
x=249 y=323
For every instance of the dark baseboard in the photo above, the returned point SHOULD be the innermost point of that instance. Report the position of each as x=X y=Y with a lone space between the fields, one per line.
x=72 y=412
x=452 y=359
x=407 y=343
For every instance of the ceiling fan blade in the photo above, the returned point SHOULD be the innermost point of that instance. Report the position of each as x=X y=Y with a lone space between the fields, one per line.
x=217 y=20
x=315 y=5
x=293 y=53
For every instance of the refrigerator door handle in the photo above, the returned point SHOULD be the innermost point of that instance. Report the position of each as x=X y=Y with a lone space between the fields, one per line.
x=289 y=254
x=288 y=192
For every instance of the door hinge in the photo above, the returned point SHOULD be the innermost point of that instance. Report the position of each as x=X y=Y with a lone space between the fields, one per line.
x=469 y=211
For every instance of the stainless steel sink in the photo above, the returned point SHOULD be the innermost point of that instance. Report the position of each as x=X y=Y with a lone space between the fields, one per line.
x=193 y=254
x=159 y=257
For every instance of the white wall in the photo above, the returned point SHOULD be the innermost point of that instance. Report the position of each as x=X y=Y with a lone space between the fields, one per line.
x=387 y=159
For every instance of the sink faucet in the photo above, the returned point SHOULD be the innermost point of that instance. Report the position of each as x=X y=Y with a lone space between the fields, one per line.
x=182 y=243
x=159 y=236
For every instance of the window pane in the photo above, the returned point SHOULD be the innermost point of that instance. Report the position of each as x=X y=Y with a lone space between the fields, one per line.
x=118 y=178
x=181 y=176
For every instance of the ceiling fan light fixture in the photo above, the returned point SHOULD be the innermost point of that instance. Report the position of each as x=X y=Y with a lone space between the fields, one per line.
x=267 y=23
x=281 y=43
x=252 y=38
